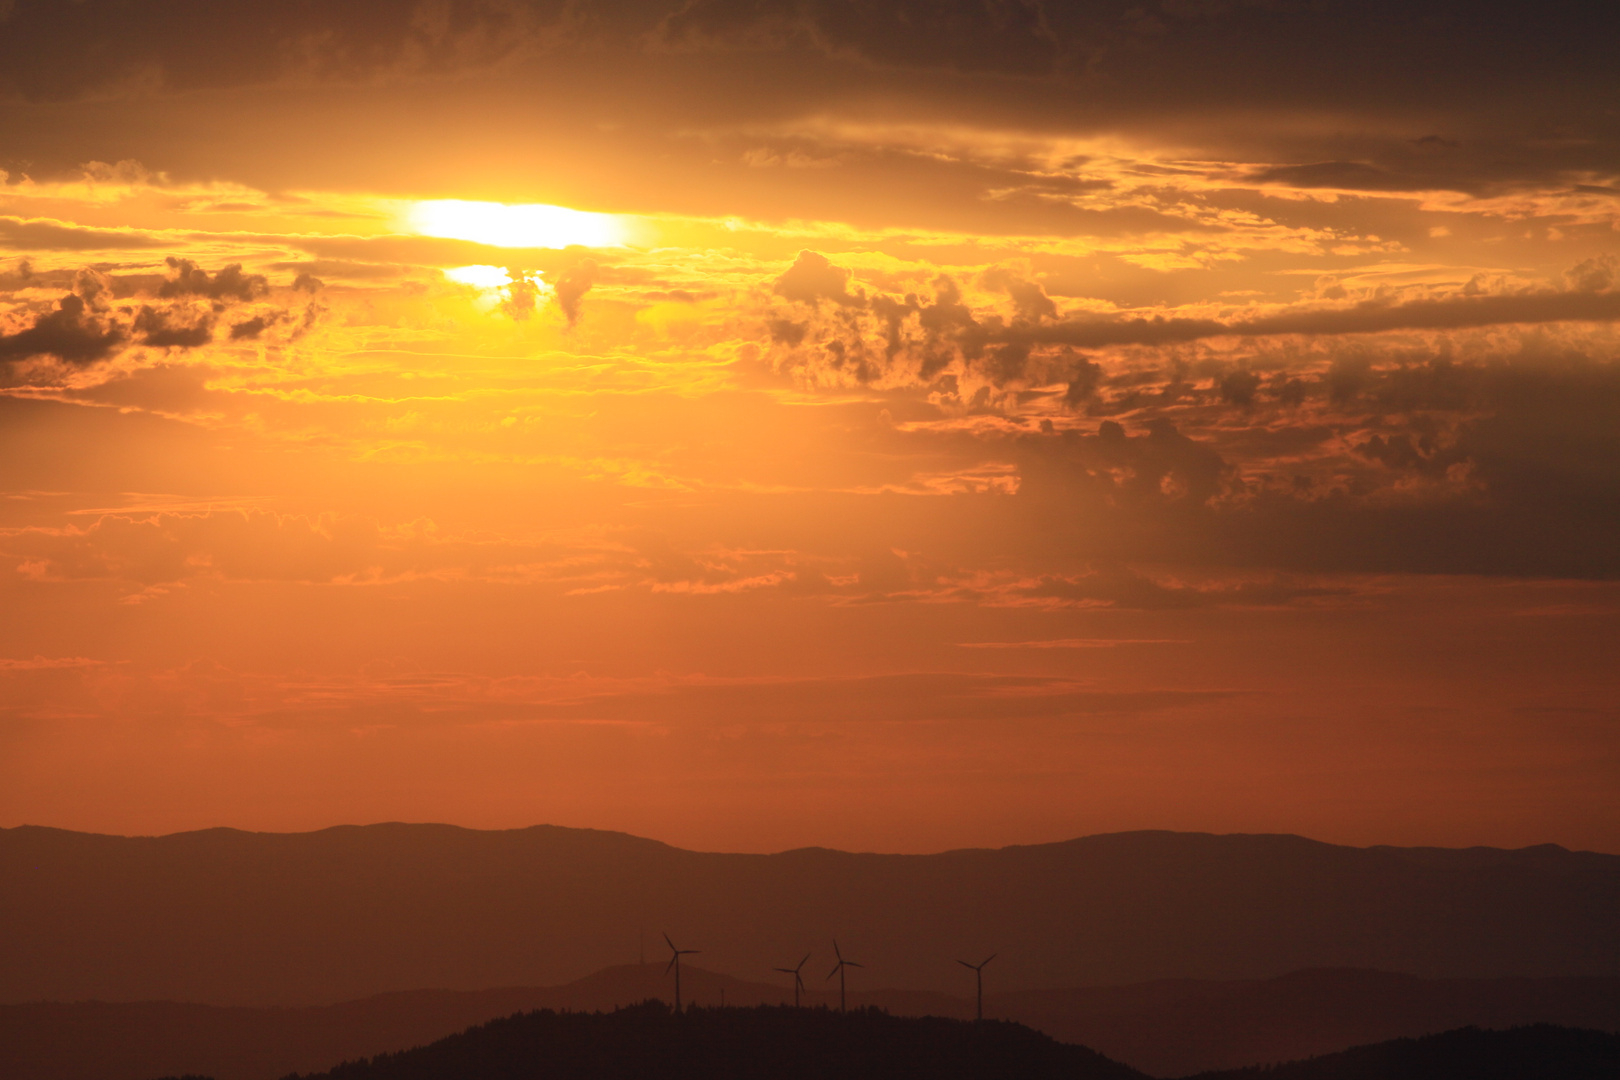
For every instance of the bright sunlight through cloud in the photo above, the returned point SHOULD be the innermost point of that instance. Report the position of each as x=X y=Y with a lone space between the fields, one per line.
x=945 y=432
x=523 y=225
x=484 y=277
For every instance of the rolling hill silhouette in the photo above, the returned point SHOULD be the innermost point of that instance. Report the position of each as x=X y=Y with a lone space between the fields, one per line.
x=1168 y=1028
x=650 y=1041
x=229 y=917
x=1181 y=1026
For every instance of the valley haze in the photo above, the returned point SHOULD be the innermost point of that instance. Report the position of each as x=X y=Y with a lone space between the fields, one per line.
x=1172 y=1027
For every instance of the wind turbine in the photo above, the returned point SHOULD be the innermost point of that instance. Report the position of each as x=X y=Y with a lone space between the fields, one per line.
x=978 y=979
x=839 y=971
x=798 y=979
x=675 y=962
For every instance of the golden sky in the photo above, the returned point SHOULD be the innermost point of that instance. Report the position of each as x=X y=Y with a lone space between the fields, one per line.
x=894 y=426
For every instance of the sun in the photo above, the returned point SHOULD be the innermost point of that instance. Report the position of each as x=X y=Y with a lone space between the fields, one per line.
x=517 y=225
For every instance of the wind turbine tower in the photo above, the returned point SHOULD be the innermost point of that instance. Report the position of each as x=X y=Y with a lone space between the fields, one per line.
x=839 y=971
x=675 y=963
x=798 y=979
x=978 y=980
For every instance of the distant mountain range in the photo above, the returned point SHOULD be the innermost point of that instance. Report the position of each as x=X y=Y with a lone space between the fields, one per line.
x=230 y=917
x=1169 y=1028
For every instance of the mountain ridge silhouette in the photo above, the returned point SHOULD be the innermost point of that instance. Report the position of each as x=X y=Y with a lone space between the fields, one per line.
x=231 y=917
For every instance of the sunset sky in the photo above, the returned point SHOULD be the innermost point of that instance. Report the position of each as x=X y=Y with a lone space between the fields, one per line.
x=884 y=425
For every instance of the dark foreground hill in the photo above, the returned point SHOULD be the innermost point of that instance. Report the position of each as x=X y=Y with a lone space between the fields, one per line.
x=651 y=1042
x=230 y=917
x=1167 y=1028
x=1541 y=1052
x=1174 y=1027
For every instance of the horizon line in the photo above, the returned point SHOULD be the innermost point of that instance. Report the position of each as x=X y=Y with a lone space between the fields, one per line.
x=802 y=848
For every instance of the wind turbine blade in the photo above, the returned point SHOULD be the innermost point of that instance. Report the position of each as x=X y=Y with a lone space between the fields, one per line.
x=989 y=958
x=670 y=943
x=803 y=962
x=785 y=971
x=851 y=963
x=670 y=964
x=834 y=971
x=965 y=964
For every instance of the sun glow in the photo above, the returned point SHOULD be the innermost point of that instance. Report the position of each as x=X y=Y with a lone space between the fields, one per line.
x=483 y=277
x=522 y=225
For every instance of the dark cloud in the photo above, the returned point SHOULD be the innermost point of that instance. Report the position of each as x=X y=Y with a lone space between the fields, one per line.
x=1007 y=37
x=1305 y=50
x=1119 y=586
x=94 y=287
x=1029 y=299
x=813 y=278
x=20 y=277
x=1367 y=317
x=572 y=286
x=1312 y=51
x=1492 y=468
x=920 y=338
x=1238 y=387
x=1489 y=162
x=35 y=234
x=1598 y=274
x=186 y=278
x=173 y=330
x=1163 y=466
x=786 y=331
x=1083 y=381
x=89 y=324
x=1245 y=72
x=521 y=296
x=1354 y=175
x=71 y=333
x=1347 y=376
x=249 y=329
x=928 y=334
x=53 y=51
